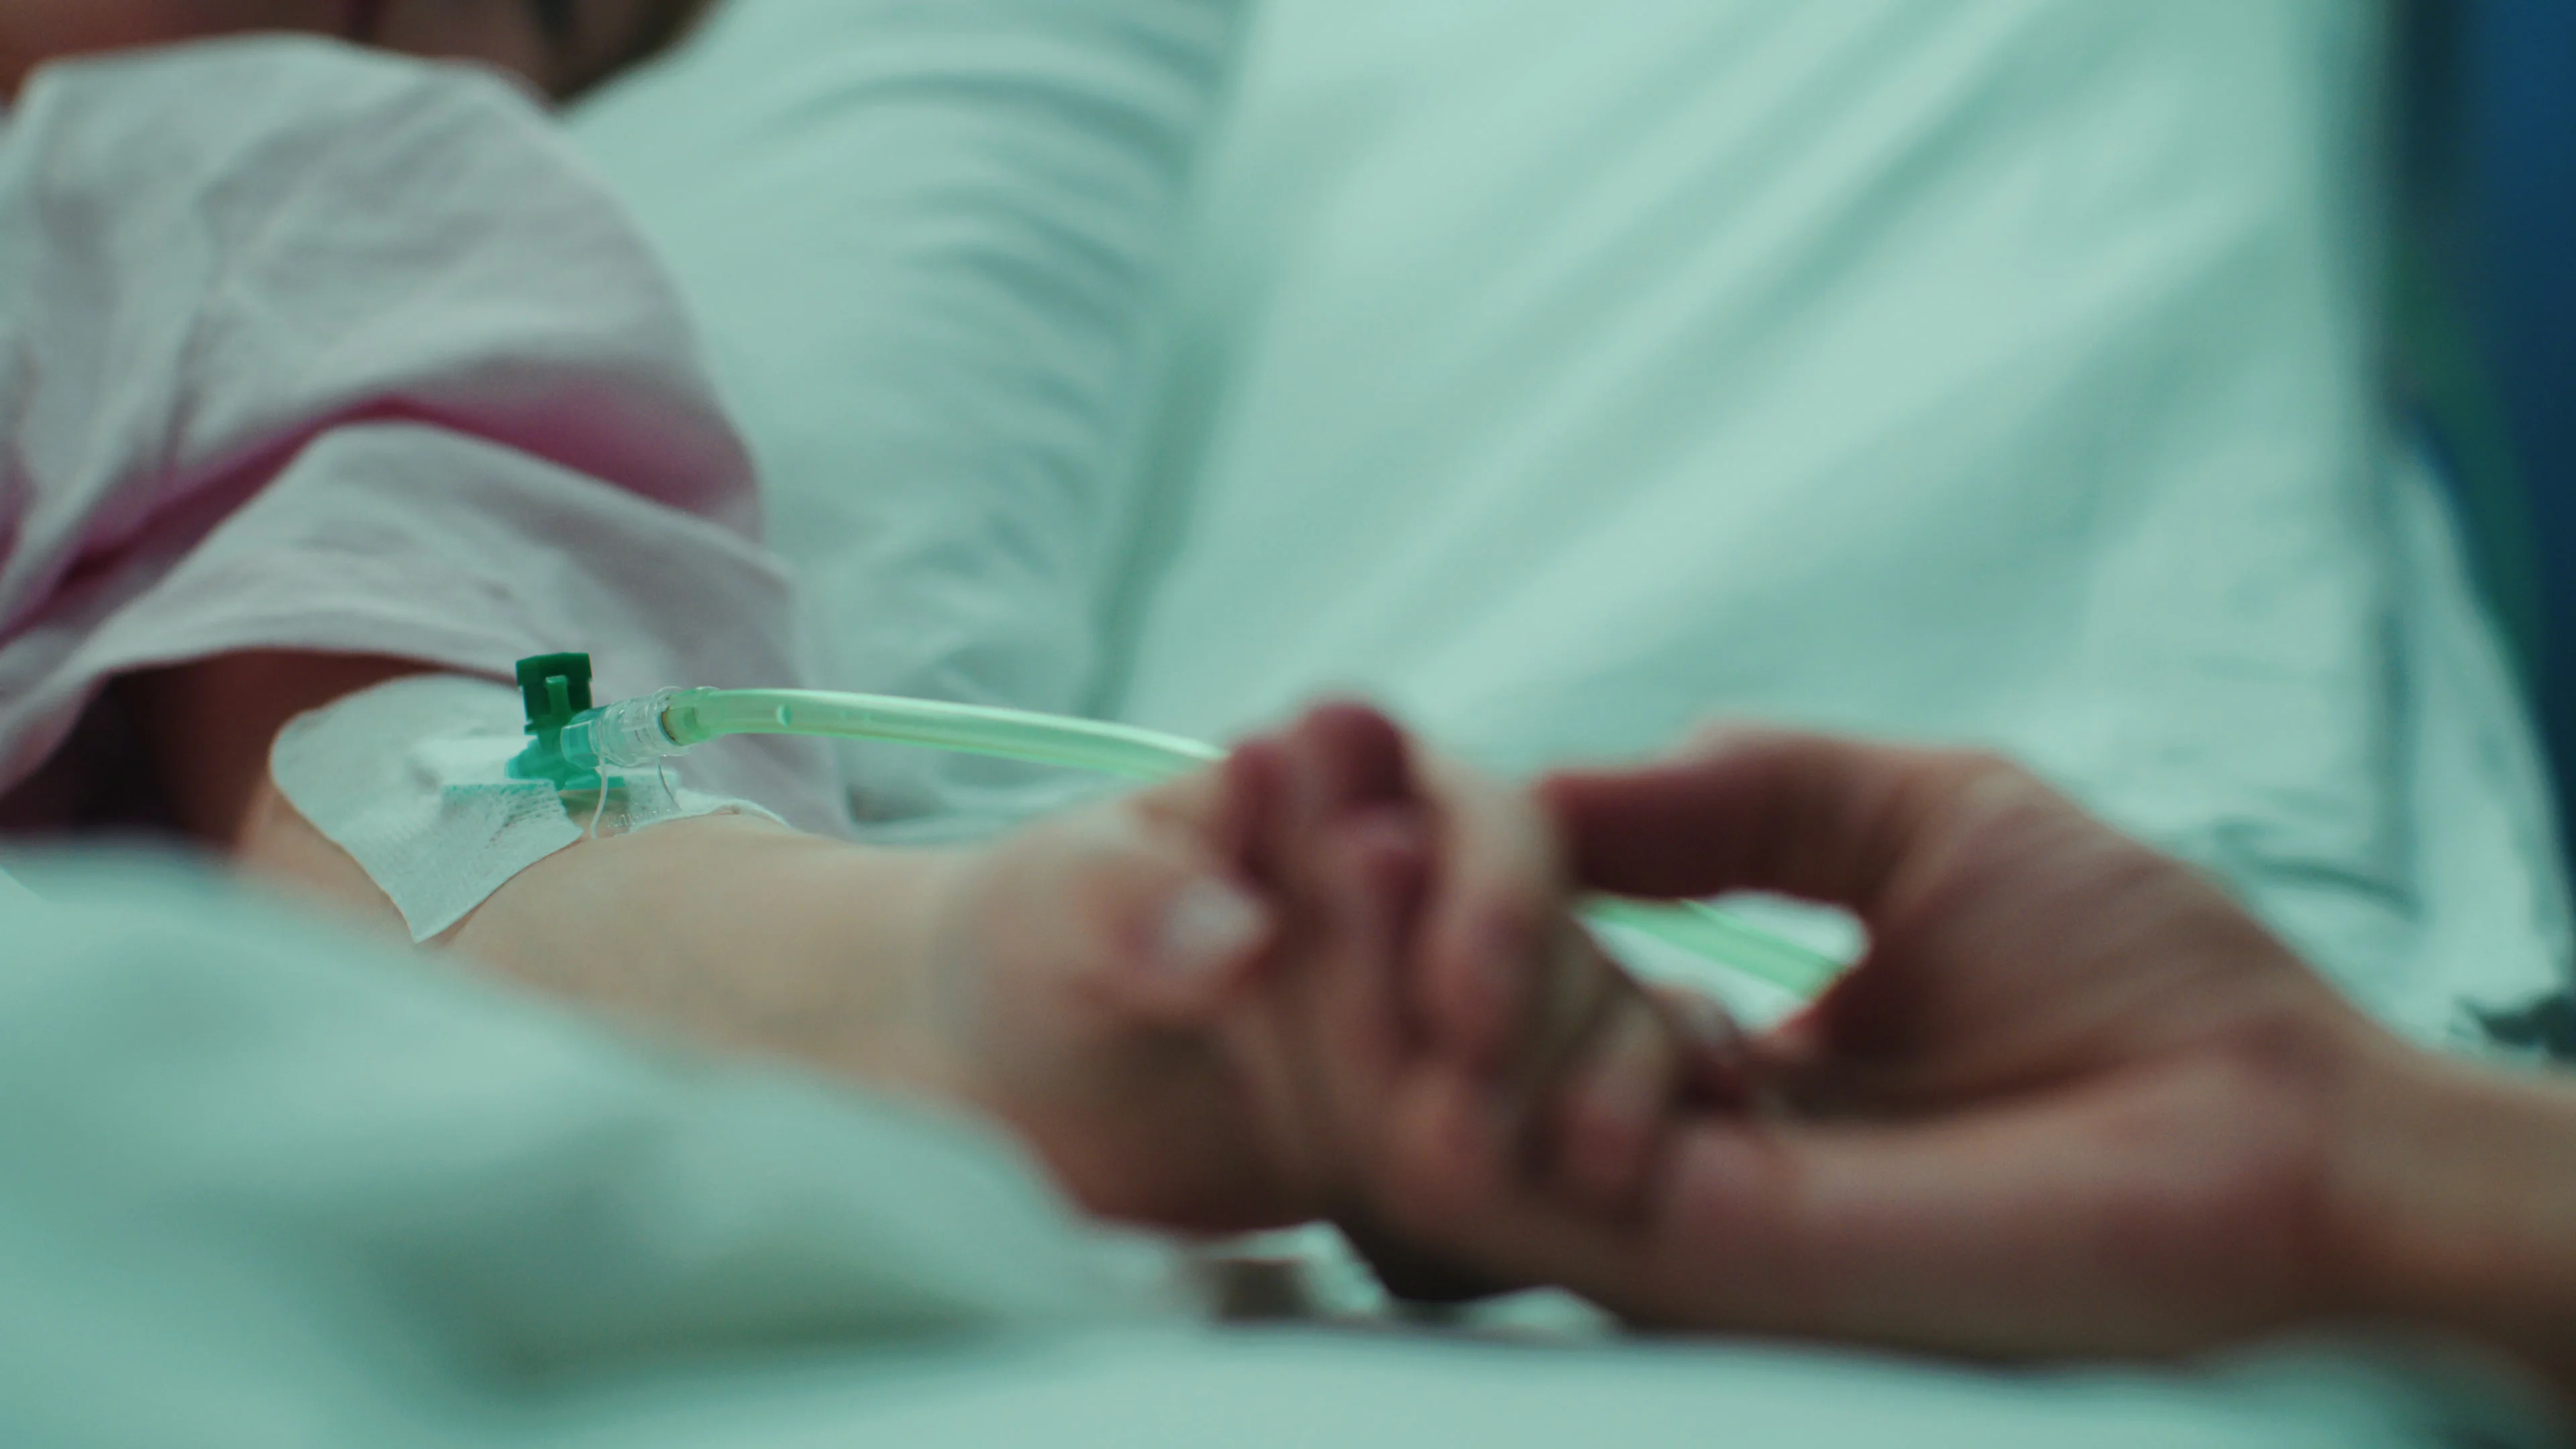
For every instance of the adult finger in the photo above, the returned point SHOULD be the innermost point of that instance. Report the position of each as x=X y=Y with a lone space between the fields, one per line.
x=1279 y=793
x=1605 y=1113
x=1319 y=816
x=1317 y=1046
x=1383 y=860
x=1482 y=983
x=1375 y=865
x=1485 y=981
x=1357 y=755
x=1488 y=932
x=1814 y=816
x=2007 y=1232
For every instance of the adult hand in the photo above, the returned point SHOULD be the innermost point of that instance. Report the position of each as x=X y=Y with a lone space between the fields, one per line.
x=2073 y=1100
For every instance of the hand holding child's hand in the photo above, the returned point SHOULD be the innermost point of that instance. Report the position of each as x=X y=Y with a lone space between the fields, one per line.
x=2074 y=1099
x=1453 y=951
x=1192 y=1001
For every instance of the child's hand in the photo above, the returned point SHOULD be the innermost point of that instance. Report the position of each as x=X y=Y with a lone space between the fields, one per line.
x=1073 y=976
x=1137 y=988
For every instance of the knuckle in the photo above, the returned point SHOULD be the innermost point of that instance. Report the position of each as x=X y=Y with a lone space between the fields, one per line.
x=1975 y=772
x=1979 y=791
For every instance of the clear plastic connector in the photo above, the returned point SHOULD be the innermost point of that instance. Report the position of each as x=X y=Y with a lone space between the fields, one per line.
x=627 y=735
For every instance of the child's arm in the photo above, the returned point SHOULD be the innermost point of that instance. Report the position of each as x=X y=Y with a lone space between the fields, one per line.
x=647 y=926
x=207 y=726
x=1061 y=980
x=1131 y=988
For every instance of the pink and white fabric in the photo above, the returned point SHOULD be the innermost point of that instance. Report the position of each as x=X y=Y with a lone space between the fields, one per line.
x=306 y=348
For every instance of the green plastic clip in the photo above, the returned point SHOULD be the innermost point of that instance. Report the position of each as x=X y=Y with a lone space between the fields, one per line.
x=554 y=688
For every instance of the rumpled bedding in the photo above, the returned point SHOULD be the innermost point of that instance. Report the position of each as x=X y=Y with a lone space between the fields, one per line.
x=263 y=1187
x=304 y=348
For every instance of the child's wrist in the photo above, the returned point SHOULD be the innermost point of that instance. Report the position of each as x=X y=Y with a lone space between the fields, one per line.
x=737 y=931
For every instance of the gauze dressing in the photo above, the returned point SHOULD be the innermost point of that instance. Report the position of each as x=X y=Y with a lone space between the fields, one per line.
x=412 y=779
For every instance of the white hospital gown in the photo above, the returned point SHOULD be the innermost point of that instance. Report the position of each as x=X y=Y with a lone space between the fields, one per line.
x=306 y=348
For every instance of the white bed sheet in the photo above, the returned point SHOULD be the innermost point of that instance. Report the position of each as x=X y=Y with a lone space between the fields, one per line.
x=268 y=1187
x=1272 y=1390
x=1998 y=371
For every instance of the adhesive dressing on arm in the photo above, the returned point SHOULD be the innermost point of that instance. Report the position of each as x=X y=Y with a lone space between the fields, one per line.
x=412 y=778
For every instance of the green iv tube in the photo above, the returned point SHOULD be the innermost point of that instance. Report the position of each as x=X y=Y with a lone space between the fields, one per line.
x=633 y=733
x=694 y=716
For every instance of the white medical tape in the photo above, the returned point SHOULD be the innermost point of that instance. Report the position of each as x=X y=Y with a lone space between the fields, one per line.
x=412 y=779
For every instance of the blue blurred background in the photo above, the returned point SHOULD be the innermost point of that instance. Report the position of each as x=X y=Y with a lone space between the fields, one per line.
x=2488 y=313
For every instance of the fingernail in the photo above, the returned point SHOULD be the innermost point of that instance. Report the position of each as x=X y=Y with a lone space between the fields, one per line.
x=1209 y=924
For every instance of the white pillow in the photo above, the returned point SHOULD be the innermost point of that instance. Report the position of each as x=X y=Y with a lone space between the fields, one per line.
x=922 y=238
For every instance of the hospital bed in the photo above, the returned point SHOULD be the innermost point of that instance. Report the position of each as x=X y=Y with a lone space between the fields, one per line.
x=2004 y=371
x=2001 y=370
x=1959 y=372
x=270 y=1190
